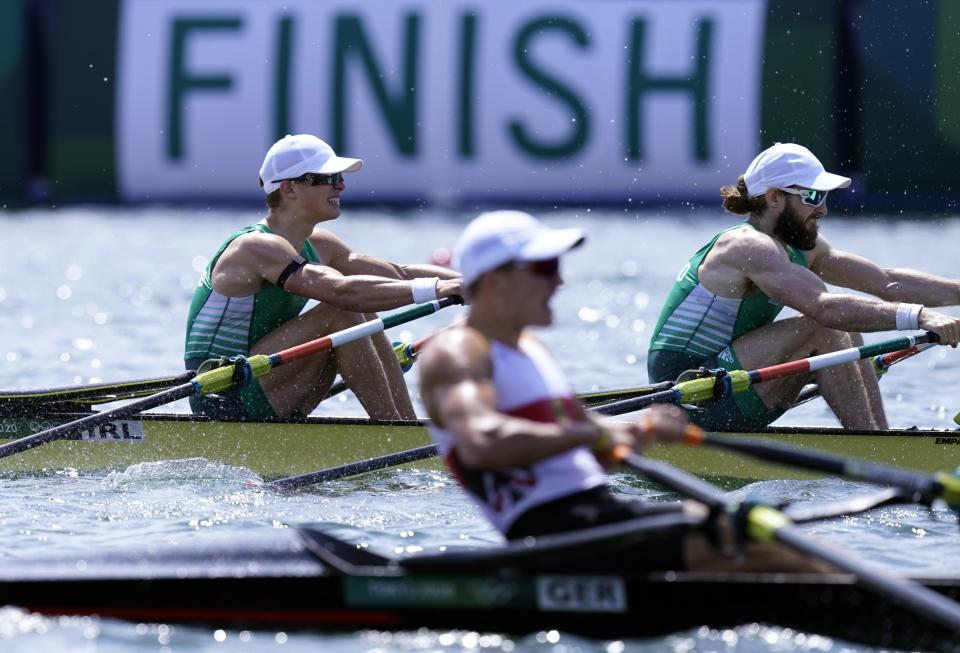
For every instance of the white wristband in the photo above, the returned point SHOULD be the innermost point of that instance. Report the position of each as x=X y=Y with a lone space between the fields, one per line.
x=425 y=289
x=908 y=317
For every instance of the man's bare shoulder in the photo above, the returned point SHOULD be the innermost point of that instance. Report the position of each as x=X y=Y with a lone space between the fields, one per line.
x=455 y=354
x=742 y=241
x=745 y=249
x=257 y=245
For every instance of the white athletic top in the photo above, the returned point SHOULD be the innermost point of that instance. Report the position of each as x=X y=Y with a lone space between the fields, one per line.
x=528 y=384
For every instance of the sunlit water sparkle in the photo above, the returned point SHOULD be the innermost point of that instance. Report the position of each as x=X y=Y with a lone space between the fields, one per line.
x=89 y=294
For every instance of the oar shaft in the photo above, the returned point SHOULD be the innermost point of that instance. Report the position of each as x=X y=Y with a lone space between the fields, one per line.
x=697 y=390
x=78 y=426
x=937 y=607
x=92 y=391
x=902 y=345
x=352 y=469
x=669 y=476
x=942 y=486
x=360 y=331
x=765 y=523
x=406 y=355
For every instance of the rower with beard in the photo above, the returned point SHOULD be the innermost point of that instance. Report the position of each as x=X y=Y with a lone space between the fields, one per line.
x=721 y=311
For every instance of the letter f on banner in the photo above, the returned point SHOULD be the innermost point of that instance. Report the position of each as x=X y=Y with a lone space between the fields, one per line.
x=182 y=82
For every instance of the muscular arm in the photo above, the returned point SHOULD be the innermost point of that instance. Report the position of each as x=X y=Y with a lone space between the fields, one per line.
x=254 y=260
x=343 y=258
x=761 y=261
x=457 y=387
x=891 y=284
x=755 y=258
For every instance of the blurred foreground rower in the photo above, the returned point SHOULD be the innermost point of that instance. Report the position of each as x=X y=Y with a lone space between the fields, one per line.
x=509 y=426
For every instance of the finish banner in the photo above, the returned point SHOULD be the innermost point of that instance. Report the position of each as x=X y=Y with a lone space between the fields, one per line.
x=446 y=101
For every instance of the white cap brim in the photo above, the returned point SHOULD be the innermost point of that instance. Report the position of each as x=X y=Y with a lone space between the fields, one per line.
x=551 y=243
x=336 y=164
x=827 y=181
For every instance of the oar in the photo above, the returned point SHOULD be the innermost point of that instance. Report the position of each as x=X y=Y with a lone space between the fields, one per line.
x=406 y=353
x=222 y=378
x=91 y=393
x=807 y=511
x=736 y=381
x=598 y=397
x=352 y=469
x=764 y=524
x=881 y=364
x=941 y=485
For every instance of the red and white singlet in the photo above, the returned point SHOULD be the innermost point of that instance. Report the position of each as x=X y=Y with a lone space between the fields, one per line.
x=528 y=384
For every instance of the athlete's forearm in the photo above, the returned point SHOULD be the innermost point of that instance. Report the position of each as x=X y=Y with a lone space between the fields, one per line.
x=919 y=287
x=853 y=313
x=359 y=293
x=427 y=270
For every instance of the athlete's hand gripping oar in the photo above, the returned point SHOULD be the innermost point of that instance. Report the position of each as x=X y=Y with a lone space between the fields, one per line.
x=352 y=469
x=764 y=523
x=942 y=485
x=736 y=381
x=223 y=378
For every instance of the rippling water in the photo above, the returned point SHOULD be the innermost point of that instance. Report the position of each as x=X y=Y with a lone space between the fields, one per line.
x=90 y=294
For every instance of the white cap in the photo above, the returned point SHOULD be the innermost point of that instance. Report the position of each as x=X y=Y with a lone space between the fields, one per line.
x=294 y=156
x=499 y=237
x=788 y=164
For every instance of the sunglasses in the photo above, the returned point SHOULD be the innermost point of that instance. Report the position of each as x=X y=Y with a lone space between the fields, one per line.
x=317 y=179
x=808 y=196
x=546 y=268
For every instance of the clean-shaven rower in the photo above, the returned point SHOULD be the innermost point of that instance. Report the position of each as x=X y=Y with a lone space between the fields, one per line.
x=251 y=295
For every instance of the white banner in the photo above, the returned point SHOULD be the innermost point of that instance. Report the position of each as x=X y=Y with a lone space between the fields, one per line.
x=445 y=100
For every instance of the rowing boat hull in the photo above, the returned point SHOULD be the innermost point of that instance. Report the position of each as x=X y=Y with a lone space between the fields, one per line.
x=279 y=581
x=276 y=449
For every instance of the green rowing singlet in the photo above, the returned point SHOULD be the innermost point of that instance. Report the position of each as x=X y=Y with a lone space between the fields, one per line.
x=699 y=324
x=226 y=326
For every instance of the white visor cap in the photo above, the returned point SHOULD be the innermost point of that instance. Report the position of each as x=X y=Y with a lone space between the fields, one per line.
x=498 y=237
x=294 y=156
x=787 y=164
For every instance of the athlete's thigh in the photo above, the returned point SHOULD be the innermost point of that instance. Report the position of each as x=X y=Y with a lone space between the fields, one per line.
x=293 y=382
x=777 y=342
x=772 y=344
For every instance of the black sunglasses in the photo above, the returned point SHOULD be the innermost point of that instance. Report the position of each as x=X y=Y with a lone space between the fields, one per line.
x=317 y=179
x=543 y=268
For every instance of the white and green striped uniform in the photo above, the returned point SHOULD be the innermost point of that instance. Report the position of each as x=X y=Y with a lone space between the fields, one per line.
x=226 y=326
x=698 y=324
